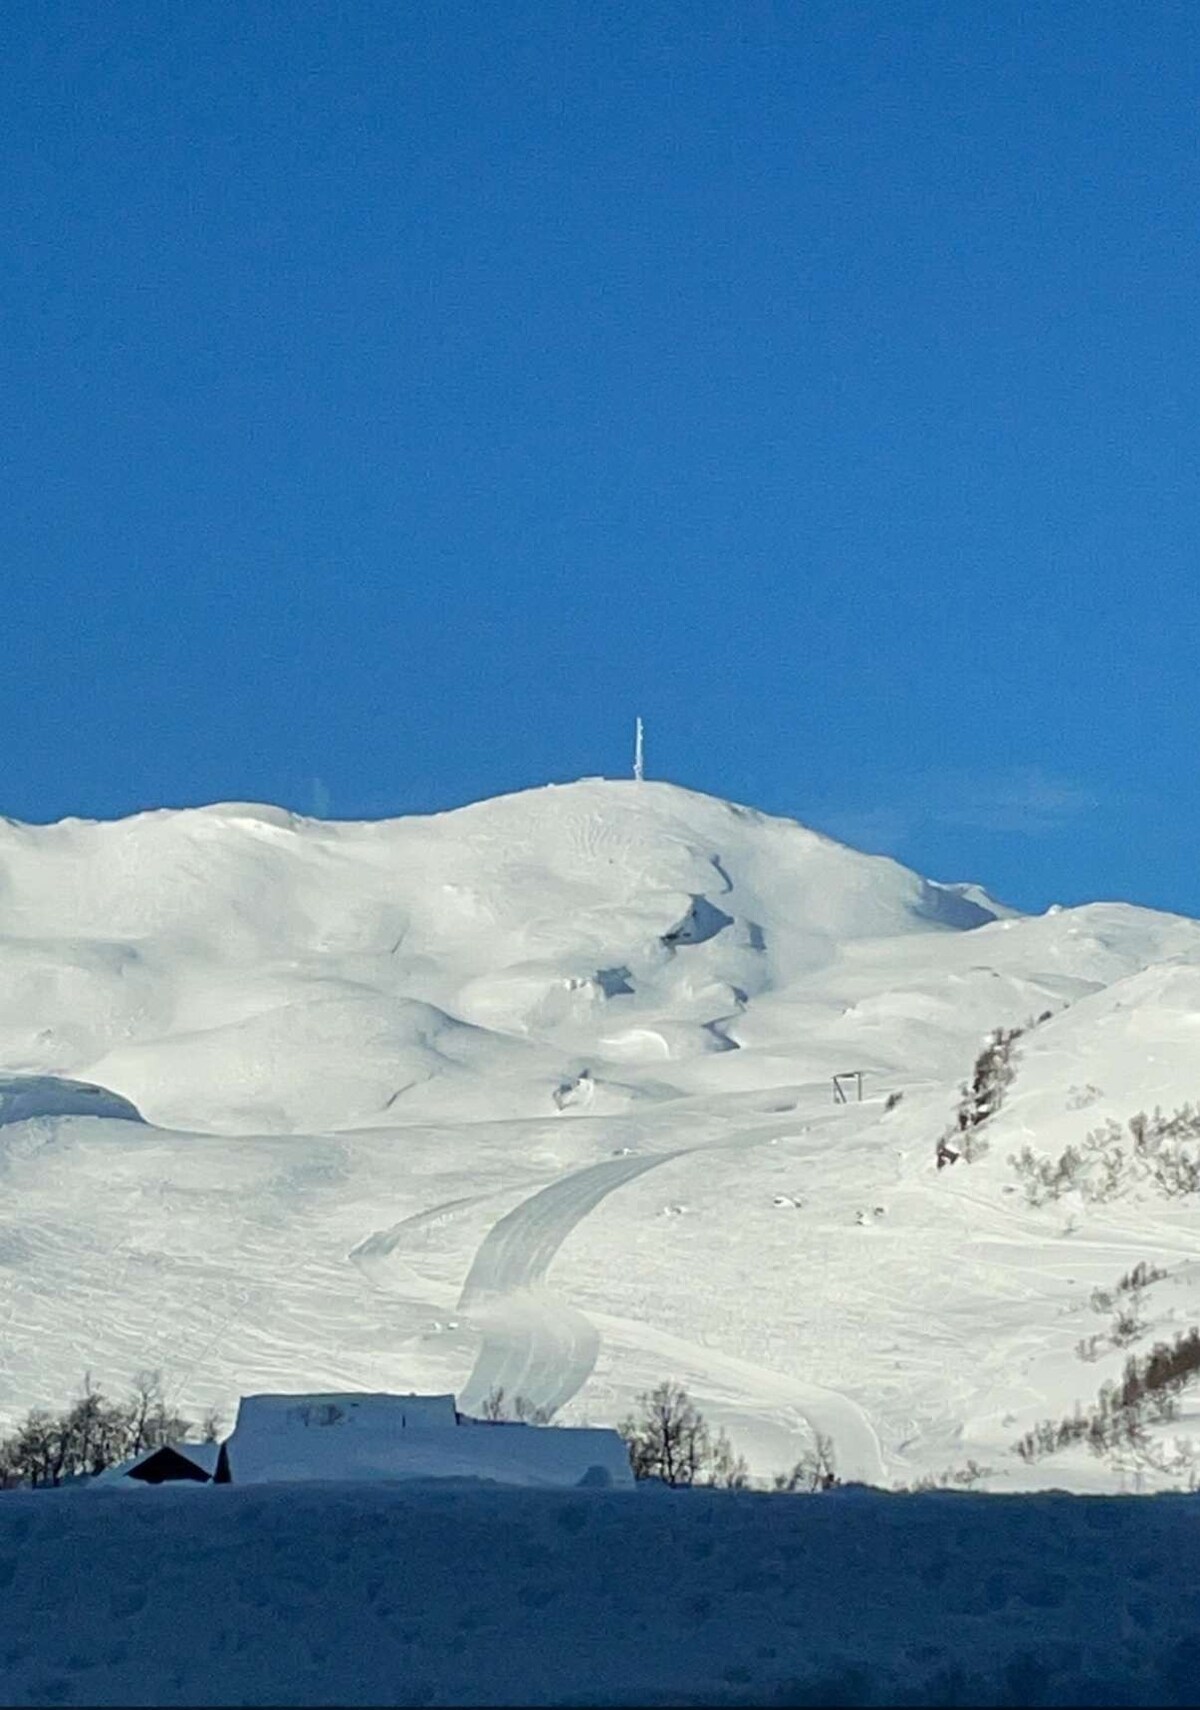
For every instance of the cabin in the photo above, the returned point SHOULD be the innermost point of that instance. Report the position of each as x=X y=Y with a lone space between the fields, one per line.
x=169 y=1463
x=385 y=1438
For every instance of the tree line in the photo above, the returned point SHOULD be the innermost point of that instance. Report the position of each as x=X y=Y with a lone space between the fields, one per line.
x=667 y=1439
x=1150 y=1386
x=94 y=1433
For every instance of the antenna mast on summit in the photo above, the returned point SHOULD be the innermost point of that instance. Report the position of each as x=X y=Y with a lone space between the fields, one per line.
x=638 y=769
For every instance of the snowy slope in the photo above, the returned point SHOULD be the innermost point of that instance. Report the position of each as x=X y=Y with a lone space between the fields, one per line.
x=539 y=1093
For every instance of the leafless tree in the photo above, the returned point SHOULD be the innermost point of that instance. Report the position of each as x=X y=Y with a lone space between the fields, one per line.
x=145 y=1401
x=670 y=1440
x=497 y=1408
x=816 y=1470
x=91 y=1434
x=727 y=1470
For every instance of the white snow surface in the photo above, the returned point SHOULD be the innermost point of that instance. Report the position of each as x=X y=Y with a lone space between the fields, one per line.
x=538 y=1094
x=459 y=1595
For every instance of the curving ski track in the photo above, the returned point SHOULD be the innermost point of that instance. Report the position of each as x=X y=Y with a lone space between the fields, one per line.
x=534 y=1344
x=537 y=1346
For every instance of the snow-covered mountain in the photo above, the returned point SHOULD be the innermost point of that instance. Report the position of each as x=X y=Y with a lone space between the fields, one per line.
x=539 y=1093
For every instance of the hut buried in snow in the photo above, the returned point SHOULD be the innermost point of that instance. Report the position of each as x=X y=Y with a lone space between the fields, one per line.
x=169 y=1463
x=284 y=1438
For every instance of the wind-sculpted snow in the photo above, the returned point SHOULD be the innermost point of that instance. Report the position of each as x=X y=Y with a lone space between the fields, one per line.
x=948 y=906
x=223 y=966
x=702 y=921
x=24 y=1098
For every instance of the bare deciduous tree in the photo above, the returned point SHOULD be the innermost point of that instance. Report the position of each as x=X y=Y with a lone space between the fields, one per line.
x=727 y=1469
x=670 y=1441
x=814 y=1471
x=92 y=1434
x=497 y=1408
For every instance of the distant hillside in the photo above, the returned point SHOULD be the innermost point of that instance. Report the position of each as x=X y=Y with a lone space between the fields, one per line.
x=539 y=1093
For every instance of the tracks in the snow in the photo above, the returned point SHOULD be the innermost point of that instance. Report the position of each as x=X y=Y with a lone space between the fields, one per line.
x=537 y=1346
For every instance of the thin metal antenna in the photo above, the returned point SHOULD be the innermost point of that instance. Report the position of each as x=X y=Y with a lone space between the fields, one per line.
x=638 y=769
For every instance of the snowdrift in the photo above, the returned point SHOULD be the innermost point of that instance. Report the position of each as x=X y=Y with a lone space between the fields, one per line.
x=28 y=1098
x=463 y=1595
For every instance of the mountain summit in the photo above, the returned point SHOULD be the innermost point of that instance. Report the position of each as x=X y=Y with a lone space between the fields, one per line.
x=244 y=967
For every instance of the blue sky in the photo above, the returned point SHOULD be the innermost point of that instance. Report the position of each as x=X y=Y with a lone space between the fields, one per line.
x=396 y=398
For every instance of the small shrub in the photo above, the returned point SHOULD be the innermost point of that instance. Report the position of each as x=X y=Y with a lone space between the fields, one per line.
x=1149 y=1385
x=960 y=1478
x=981 y=1097
x=1127 y=1324
x=1126 y=1328
x=1100 y=1167
x=726 y=1469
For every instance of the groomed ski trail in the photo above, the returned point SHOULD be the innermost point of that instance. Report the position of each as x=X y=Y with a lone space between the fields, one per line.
x=538 y=1347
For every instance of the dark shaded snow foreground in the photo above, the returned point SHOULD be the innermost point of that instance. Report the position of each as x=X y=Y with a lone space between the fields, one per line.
x=452 y=1594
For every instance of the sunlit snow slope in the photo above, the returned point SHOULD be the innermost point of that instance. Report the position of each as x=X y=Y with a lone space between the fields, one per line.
x=538 y=1093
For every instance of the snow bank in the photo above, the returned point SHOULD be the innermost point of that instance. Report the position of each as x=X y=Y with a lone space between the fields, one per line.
x=455 y=1595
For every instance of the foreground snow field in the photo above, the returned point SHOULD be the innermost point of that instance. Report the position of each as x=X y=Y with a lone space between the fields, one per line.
x=539 y=1093
x=457 y=1595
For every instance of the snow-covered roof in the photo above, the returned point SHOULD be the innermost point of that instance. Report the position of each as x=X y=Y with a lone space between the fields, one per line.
x=303 y=1414
x=284 y=1438
x=202 y=1455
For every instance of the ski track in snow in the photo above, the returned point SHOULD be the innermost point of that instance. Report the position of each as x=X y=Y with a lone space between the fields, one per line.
x=539 y=1347
x=535 y=1345
x=856 y=1444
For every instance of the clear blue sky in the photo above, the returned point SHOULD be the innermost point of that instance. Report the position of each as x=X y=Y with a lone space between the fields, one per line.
x=397 y=397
